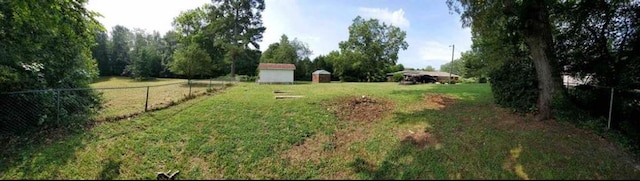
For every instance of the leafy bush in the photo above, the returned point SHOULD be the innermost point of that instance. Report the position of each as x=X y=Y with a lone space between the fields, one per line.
x=397 y=77
x=468 y=80
x=514 y=85
x=246 y=78
x=482 y=80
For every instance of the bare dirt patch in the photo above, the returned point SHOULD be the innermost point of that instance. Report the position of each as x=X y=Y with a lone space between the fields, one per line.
x=420 y=139
x=358 y=115
x=431 y=101
x=417 y=136
x=438 y=101
x=363 y=108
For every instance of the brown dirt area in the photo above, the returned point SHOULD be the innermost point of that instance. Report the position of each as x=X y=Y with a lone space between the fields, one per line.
x=438 y=101
x=431 y=101
x=358 y=112
x=359 y=108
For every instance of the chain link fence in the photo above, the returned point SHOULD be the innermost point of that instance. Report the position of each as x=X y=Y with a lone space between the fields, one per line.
x=619 y=107
x=23 y=110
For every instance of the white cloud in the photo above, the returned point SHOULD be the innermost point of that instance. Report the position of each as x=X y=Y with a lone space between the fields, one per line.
x=432 y=50
x=395 y=18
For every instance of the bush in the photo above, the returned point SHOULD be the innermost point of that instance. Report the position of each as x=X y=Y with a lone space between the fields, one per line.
x=482 y=80
x=246 y=78
x=468 y=80
x=514 y=85
x=397 y=77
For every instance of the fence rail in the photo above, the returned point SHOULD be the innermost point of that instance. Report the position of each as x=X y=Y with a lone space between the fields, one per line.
x=22 y=110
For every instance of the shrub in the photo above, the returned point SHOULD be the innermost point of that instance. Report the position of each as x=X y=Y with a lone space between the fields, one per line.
x=514 y=85
x=482 y=80
x=468 y=80
x=246 y=78
x=397 y=77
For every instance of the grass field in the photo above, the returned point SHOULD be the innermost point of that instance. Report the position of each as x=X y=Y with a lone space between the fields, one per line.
x=132 y=98
x=394 y=132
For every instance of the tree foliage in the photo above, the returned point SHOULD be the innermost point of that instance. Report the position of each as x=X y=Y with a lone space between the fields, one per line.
x=517 y=23
x=236 y=24
x=430 y=68
x=291 y=52
x=455 y=67
x=191 y=60
x=101 y=53
x=594 y=40
x=47 y=45
x=372 y=46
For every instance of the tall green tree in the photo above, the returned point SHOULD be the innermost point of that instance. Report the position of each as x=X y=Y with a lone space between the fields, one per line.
x=292 y=52
x=249 y=62
x=321 y=62
x=100 y=52
x=120 y=49
x=167 y=48
x=474 y=65
x=236 y=25
x=146 y=58
x=372 y=46
x=191 y=60
x=529 y=19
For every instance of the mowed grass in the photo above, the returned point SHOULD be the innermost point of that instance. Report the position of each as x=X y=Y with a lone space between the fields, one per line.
x=131 y=97
x=244 y=133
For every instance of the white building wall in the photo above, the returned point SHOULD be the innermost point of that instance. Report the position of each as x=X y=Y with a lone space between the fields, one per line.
x=276 y=76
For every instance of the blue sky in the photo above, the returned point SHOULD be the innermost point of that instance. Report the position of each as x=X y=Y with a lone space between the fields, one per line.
x=322 y=24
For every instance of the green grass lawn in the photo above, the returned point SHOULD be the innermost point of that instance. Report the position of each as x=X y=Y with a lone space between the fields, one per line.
x=429 y=132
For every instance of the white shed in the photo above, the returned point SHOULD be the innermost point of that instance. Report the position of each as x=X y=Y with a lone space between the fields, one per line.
x=276 y=73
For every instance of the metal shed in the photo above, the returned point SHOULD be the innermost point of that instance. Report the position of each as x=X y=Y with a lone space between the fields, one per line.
x=276 y=73
x=321 y=76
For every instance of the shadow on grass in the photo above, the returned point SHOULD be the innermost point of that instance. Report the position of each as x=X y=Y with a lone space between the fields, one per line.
x=34 y=155
x=110 y=170
x=440 y=152
x=405 y=163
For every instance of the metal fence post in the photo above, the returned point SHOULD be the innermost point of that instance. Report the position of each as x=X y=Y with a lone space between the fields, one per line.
x=610 y=108
x=189 y=82
x=146 y=102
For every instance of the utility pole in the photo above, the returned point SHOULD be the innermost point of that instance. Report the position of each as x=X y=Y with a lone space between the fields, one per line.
x=451 y=65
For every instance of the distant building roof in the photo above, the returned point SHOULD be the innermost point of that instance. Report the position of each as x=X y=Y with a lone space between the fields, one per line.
x=441 y=74
x=418 y=72
x=276 y=66
x=321 y=72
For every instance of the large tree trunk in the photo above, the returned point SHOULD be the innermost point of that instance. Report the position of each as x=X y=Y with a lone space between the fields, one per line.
x=537 y=32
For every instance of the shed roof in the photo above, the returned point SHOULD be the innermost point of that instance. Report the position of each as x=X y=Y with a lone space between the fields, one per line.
x=276 y=66
x=321 y=72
